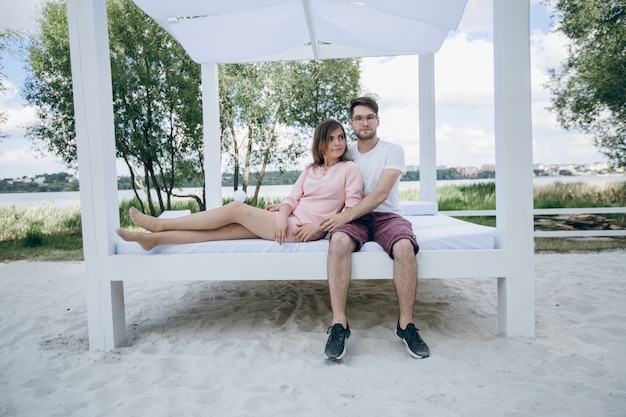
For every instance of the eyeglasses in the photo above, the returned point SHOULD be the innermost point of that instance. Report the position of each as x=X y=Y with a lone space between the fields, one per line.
x=359 y=119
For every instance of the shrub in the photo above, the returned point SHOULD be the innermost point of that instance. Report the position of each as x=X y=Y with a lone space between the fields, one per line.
x=34 y=238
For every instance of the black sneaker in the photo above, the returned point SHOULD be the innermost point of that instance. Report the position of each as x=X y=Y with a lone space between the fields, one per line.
x=414 y=343
x=336 y=344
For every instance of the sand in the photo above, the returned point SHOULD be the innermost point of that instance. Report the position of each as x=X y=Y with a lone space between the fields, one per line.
x=255 y=348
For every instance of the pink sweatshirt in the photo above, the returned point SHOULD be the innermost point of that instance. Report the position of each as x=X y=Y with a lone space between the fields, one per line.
x=318 y=194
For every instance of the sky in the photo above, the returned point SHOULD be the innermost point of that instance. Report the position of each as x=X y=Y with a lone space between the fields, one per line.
x=463 y=90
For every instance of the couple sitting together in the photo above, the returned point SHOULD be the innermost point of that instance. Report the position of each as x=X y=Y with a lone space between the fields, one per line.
x=350 y=192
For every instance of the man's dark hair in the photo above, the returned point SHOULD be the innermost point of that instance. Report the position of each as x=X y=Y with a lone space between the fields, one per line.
x=363 y=101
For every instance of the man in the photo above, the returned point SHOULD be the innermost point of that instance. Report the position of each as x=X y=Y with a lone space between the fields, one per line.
x=376 y=218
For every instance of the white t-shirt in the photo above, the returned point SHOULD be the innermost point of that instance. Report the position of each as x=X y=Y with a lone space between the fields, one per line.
x=385 y=155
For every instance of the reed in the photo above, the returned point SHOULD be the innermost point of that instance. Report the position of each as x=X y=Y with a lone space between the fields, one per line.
x=17 y=222
x=47 y=232
x=579 y=194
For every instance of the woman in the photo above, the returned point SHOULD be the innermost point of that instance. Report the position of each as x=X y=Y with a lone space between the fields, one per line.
x=331 y=183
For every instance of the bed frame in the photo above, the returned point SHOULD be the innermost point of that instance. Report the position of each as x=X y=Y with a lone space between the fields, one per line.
x=510 y=263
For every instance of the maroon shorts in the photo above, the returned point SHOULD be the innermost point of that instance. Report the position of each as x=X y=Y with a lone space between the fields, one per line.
x=383 y=228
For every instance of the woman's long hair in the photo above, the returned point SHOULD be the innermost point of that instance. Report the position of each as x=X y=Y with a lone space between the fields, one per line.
x=320 y=138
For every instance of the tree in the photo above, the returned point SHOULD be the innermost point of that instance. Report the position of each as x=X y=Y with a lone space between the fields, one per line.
x=156 y=98
x=269 y=110
x=7 y=38
x=157 y=91
x=589 y=88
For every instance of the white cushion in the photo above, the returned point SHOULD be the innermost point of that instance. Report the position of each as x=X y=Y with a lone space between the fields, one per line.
x=418 y=208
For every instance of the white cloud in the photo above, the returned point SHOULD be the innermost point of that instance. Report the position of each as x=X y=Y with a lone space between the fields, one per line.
x=477 y=16
x=17 y=158
x=26 y=162
x=17 y=114
x=393 y=79
x=464 y=97
x=20 y=15
x=464 y=146
x=464 y=73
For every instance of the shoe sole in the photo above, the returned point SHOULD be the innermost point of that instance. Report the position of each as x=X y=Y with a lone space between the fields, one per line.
x=338 y=358
x=408 y=349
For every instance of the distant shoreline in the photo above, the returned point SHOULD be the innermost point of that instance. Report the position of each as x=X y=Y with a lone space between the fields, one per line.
x=564 y=178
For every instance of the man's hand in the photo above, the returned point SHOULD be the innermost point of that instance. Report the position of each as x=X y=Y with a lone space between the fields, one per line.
x=307 y=231
x=329 y=224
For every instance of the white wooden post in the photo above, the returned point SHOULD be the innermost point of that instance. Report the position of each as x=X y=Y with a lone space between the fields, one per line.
x=514 y=184
x=428 y=142
x=93 y=107
x=211 y=129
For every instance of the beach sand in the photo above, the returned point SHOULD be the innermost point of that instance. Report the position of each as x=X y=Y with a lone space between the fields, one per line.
x=255 y=348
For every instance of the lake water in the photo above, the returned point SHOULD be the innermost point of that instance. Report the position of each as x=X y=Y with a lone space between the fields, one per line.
x=72 y=198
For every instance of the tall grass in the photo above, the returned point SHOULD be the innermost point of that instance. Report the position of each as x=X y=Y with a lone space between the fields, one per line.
x=40 y=233
x=17 y=222
x=47 y=232
x=579 y=194
x=480 y=196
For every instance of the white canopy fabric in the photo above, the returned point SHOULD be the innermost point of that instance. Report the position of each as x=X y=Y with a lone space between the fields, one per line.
x=270 y=30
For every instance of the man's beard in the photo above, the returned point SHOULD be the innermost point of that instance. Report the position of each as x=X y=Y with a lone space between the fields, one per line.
x=365 y=136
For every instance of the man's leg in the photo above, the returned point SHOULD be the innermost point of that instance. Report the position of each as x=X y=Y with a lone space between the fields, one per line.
x=405 y=282
x=339 y=270
x=405 y=279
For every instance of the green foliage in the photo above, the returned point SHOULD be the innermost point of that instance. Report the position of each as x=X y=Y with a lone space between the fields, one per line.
x=72 y=222
x=41 y=232
x=48 y=85
x=157 y=103
x=269 y=110
x=52 y=182
x=61 y=246
x=479 y=196
x=8 y=39
x=588 y=89
x=16 y=222
x=156 y=96
x=410 y=195
x=33 y=238
x=566 y=245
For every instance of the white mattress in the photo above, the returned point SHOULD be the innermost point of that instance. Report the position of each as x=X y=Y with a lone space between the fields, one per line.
x=433 y=232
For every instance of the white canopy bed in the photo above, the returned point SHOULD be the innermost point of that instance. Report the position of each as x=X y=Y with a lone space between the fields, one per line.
x=259 y=30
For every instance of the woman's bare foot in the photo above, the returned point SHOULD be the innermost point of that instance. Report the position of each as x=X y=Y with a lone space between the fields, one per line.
x=139 y=237
x=143 y=220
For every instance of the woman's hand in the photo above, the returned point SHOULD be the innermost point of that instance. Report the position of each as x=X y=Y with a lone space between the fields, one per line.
x=280 y=230
x=272 y=207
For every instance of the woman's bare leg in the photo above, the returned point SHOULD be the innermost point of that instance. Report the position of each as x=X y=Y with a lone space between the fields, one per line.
x=258 y=221
x=149 y=240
